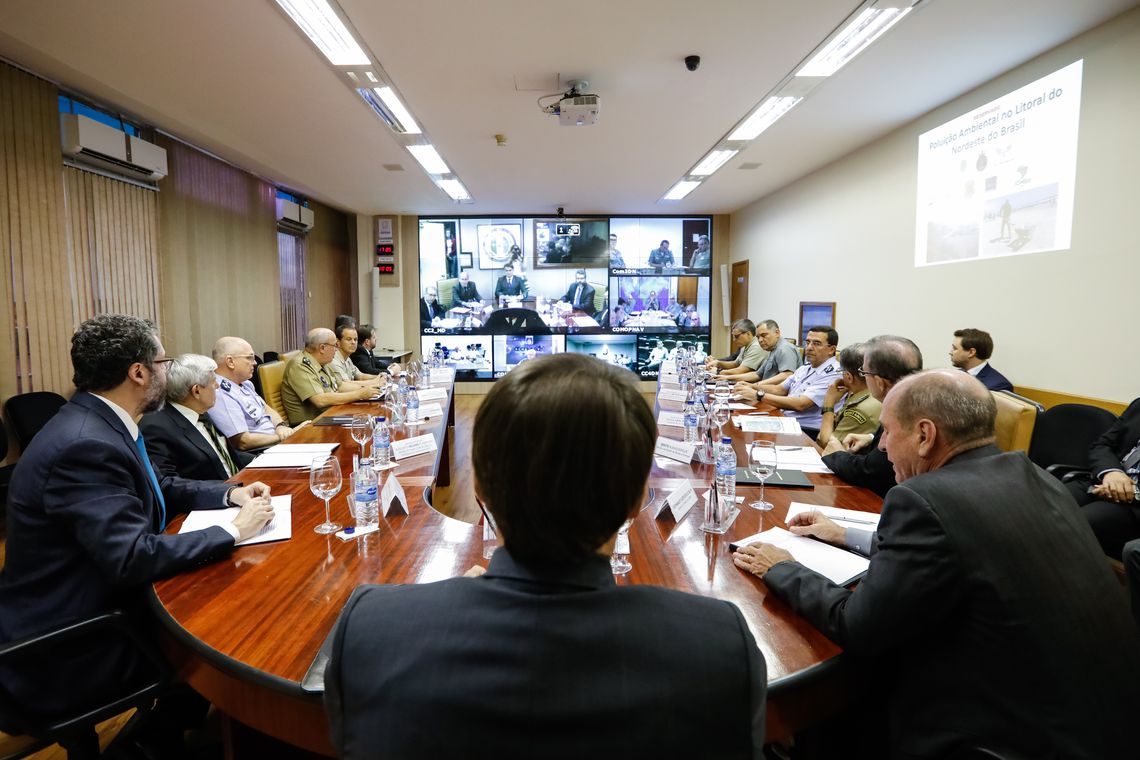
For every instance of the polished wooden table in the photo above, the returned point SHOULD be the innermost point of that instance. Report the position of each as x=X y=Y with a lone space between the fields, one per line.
x=244 y=631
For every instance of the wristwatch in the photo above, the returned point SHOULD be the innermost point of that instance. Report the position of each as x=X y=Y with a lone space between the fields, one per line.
x=759 y=395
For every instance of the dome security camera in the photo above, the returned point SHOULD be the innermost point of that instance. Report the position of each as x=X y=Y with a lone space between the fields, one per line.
x=692 y=62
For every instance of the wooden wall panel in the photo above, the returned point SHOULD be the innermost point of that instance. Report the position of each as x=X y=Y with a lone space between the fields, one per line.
x=217 y=254
x=328 y=267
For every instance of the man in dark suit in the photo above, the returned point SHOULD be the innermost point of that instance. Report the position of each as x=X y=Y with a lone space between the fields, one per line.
x=544 y=655
x=858 y=459
x=86 y=514
x=509 y=284
x=994 y=621
x=971 y=351
x=1112 y=506
x=365 y=360
x=464 y=292
x=180 y=437
x=580 y=295
x=430 y=309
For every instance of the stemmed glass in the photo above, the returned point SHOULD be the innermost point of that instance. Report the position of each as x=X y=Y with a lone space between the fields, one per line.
x=361 y=429
x=619 y=560
x=325 y=482
x=761 y=463
x=720 y=416
x=722 y=391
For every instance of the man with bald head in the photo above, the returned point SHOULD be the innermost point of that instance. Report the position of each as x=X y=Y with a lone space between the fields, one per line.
x=308 y=388
x=995 y=624
x=239 y=414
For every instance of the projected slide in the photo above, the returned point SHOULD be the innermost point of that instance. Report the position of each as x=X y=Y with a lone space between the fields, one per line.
x=998 y=181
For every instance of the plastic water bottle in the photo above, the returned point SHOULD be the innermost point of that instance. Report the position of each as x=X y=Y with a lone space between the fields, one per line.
x=691 y=434
x=381 y=442
x=413 y=404
x=367 y=506
x=402 y=395
x=726 y=474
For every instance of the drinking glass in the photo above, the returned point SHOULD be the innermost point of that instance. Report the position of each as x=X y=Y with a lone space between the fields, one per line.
x=619 y=560
x=325 y=482
x=361 y=429
x=722 y=391
x=720 y=416
x=761 y=463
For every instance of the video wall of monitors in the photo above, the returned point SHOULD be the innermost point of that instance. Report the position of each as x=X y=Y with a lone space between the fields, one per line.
x=497 y=291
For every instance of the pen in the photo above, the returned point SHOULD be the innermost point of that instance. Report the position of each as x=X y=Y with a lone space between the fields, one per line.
x=853 y=520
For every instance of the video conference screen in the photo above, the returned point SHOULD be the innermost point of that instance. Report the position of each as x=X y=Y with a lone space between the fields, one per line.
x=497 y=291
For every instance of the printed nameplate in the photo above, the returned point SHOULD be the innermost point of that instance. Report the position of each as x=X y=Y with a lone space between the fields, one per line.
x=432 y=394
x=668 y=367
x=679 y=502
x=410 y=447
x=428 y=411
x=672 y=419
x=441 y=375
x=669 y=394
x=392 y=497
x=677 y=450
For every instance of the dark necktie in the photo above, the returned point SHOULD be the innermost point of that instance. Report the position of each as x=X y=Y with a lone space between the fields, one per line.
x=141 y=446
x=219 y=445
x=578 y=296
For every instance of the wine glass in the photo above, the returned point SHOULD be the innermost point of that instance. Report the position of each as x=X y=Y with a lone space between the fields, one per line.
x=325 y=482
x=361 y=429
x=619 y=560
x=720 y=416
x=722 y=391
x=761 y=463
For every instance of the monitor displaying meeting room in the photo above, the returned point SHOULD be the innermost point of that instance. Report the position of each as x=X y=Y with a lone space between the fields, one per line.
x=493 y=289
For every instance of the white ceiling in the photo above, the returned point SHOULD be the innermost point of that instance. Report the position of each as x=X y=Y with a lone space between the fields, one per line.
x=237 y=78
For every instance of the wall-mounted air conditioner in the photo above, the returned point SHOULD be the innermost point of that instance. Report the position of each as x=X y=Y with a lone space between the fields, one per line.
x=90 y=142
x=293 y=217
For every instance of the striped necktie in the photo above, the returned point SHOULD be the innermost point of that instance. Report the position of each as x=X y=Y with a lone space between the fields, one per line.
x=141 y=446
x=219 y=446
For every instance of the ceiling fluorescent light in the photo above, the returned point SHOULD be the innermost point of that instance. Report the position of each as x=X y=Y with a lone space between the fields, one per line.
x=860 y=33
x=712 y=162
x=323 y=26
x=402 y=114
x=681 y=189
x=763 y=117
x=455 y=189
x=371 y=77
x=429 y=159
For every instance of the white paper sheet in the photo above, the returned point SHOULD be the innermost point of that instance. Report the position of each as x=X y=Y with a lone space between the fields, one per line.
x=837 y=565
x=277 y=529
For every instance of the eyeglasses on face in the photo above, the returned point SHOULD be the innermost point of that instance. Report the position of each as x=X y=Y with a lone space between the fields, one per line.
x=866 y=373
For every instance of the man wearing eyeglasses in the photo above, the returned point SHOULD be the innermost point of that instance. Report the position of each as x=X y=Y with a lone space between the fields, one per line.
x=309 y=388
x=856 y=458
x=749 y=357
x=87 y=513
x=782 y=361
x=801 y=395
x=239 y=413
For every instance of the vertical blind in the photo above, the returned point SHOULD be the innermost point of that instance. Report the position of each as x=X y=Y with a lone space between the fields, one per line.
x=291 y=260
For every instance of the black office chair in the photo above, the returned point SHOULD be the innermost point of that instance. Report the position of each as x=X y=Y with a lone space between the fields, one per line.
x=24 y=733
x=516 y=322
x=1062 y=437
x=29 y=412
x=5 y=473
x=256 y=379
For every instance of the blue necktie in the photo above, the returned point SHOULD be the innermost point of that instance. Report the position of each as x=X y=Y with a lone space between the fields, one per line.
x=153 y=481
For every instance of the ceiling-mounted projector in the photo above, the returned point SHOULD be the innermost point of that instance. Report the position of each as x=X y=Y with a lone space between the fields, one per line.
x=574 y=108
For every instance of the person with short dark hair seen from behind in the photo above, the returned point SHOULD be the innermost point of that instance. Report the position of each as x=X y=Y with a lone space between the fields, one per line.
x=988 y=615
x=857 y=458
x=970 y=351
x=848 y=406
x=544 y=655
x=87 y=511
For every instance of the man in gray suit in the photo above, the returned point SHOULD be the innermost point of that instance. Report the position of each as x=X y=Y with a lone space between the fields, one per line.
x=544 y=655
x=993 y=617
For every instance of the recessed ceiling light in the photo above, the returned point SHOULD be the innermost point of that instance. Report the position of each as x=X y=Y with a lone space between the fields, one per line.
x=402 y=114
x=681 y=189
x=854 y=38
x=455 y=189
x=319 y=22
x=712 y=162
x=429 y=159
x=763 y=117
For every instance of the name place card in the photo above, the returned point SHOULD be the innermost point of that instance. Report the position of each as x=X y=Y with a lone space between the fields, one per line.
x=669 y=394
x=672 y=419
x=441 y=375
x=427 y=411
x=410 y=447
x=679 y=502
x=393 y=500
x=432 y=394
x=676 y=450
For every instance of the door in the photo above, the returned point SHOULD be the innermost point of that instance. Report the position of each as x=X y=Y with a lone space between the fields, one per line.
x=739 y=290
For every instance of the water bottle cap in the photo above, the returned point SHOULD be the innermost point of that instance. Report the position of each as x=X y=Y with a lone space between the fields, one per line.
x=726 y=439
x=381 y=418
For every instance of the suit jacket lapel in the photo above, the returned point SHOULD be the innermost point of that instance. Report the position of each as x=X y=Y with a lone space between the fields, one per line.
x=87 y=401
x=192 y=433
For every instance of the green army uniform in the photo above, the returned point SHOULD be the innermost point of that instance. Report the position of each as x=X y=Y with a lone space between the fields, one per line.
x=752 y=355
x=859 y=415
x=304 y=378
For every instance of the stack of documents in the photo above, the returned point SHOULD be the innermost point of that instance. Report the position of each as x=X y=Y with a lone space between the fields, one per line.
x=277 y=529
x=292 y=454
x=802 y=458
x=762 y=423
x=837 y=565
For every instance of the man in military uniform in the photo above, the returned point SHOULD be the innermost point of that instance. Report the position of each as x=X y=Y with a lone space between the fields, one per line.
x=801 y=395
x=239 y=413
x=848 y=406
x=702 y=257
x=308 y=387
x=661 y=256
x=343 y=369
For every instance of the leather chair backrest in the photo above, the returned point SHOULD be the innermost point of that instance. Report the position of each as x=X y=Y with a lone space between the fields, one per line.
x=1015 y=420
x=1064 y=433
x=289 y=355
x=445 y=291
x=29 y=412
x=599 y=296
x=271 y=375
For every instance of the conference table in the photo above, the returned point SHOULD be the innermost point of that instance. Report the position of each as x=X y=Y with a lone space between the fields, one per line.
x=244 y=631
